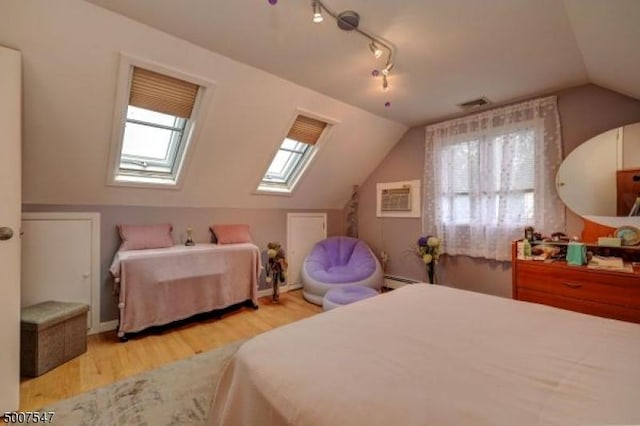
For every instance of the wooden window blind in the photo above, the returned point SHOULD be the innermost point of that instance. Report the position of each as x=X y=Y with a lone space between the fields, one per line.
x=306 y=130
x=161 y=93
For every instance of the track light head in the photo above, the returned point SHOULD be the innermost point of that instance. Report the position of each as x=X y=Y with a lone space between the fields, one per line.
x=317 y=13
x=385 y=70
x=377 y=52
x=385 y=83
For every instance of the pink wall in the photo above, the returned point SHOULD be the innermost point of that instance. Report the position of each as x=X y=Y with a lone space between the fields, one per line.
x=585 y=111
x=266 y=225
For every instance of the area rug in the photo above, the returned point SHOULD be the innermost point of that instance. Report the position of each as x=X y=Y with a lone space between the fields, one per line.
x=176 y=394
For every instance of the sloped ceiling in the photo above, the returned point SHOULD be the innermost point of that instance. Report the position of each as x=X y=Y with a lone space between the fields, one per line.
x=267 y=60
x=71 y=52
x=608 y=34
x=448 y=51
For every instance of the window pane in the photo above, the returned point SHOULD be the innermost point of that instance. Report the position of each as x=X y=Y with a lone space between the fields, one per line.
x=141 y=114
x=286 y=161
x=456 y=209
x=529 y=204
x=282 y=166
x=147 y=142
x=460 y=163
x=294 y=145
x=279 y=163
x=523 y=159
x=504 y=194
x=520 y=209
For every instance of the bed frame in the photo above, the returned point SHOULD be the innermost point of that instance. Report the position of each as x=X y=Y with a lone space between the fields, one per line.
x=159 y=286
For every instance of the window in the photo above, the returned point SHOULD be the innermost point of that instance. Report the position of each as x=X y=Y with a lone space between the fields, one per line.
x=151 y=142
x=293 y=156
x=489 y=175
x=155 y=125
x=497 y=198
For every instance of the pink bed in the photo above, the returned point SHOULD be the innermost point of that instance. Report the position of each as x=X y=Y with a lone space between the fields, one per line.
x=432 y=355
x=159 y=286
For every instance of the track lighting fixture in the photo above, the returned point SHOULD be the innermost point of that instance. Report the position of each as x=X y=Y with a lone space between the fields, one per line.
x=317 y=12
x=348 y=21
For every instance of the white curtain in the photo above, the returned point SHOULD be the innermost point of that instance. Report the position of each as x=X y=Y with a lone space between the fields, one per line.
x=489 y=175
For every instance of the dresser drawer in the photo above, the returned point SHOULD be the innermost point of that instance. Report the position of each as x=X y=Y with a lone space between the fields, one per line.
x=578 y=305
x=579 y=283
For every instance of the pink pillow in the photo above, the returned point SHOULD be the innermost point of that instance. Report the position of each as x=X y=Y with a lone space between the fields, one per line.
x=231 y=234
x=137 y=237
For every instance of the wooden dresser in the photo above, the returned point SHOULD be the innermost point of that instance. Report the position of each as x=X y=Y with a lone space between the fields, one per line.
x=578 y=288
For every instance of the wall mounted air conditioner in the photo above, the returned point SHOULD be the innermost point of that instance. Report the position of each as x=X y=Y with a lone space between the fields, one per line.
x=398 y=199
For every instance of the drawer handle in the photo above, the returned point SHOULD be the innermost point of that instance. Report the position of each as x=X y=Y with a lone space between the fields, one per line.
x=572 y=285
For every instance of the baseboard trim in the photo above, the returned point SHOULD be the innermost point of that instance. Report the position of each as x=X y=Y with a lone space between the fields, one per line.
x=394 y=281
x=265 y=292
x=269 y=291
x=108 y=326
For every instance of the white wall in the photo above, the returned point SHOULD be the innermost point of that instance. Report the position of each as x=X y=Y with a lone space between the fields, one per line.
x=71 y=50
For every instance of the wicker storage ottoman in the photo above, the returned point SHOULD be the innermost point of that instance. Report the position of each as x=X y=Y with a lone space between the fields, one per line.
x=51 y=333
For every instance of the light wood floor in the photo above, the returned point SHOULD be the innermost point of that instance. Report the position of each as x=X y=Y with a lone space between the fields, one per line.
x=108 y=360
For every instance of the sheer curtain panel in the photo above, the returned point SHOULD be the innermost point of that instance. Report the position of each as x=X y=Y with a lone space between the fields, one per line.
x=489 y=175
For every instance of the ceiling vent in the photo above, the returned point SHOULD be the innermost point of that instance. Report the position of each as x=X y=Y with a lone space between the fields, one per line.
x=475 y=103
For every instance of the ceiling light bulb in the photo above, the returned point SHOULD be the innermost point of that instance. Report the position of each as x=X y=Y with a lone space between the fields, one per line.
x=385 y=83
x=317 y=13
x=377 y=52
x=385 y=70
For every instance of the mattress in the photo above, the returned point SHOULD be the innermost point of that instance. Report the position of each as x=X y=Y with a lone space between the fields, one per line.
x=432 y=355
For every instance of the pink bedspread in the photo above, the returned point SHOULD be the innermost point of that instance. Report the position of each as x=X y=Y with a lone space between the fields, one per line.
x=160 y=286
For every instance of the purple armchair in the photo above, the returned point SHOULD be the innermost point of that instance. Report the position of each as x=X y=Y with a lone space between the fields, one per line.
x=339 y=261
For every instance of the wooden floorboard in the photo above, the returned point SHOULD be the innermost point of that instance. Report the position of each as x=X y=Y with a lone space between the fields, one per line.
x=107 y=360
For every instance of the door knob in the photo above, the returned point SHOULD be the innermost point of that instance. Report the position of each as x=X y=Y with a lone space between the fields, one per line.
x=5 y=233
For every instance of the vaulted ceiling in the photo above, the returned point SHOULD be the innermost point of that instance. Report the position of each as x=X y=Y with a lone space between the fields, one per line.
x=269 y=61
x=71 y=53
x=448 y=51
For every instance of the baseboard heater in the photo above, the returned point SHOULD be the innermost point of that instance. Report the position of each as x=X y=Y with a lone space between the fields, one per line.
x=393 y=281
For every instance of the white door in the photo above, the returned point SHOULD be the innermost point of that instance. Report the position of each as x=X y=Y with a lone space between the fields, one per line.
x=56 y=260
x=303 y=231
x=10 y=206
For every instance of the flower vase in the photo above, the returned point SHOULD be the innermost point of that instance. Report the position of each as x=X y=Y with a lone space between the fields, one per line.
x=431 y=273
x=275 y=297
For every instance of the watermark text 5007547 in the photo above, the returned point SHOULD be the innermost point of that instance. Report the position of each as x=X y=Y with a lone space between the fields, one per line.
x=27 y=417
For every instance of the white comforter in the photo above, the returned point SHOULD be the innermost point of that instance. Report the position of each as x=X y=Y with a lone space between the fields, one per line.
x=431 y=355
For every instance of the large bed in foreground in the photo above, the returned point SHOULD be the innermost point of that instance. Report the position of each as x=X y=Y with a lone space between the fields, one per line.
x=431 y=355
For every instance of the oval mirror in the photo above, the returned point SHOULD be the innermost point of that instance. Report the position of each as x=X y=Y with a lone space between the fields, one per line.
x=600 y=179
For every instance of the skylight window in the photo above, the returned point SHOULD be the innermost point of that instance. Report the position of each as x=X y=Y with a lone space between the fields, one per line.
x=155 y=123
x=293 y=156
x=287 y=160
x=151 y=142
